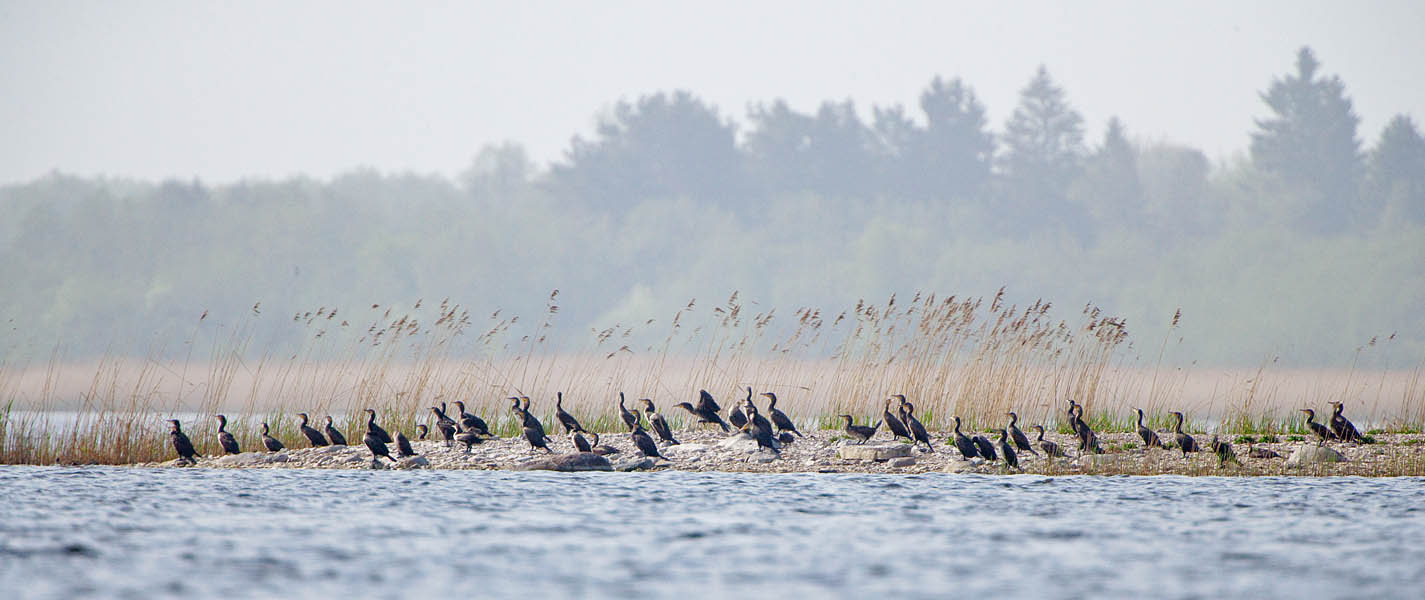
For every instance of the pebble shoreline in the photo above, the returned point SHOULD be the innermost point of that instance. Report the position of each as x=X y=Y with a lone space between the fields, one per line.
x=820 y=452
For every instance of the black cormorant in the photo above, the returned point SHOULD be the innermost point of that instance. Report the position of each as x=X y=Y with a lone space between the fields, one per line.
x=859 y=432
x=527 y=420
x=964 y=444
x=337 y=439
x=644 y=442
x=226 y=439
x=985 y=448
x=1224 y=452
x=1320 y=430
x=1050 y=449
x=779 y=418
x=1088 y=440
x=1007 y=450
x=567 y=420
x=703 y=417
x=468 y=438
x=374 y=444
x=760 y=429
x=422 y=431
x=1341 y=426
x=444 y=424
x=582 y=444
x=913 y=425
x=735 y=416
x=270 y=442
x=707 y=410
x=657 y=422
x=894 y=424
x=403 y=446
x=181 y=444
x=313 y=436
x=1015 y=435
x=376 y=430
x=1185 y=441
x=471 y=422
x=629 y=419
x=1150 y=439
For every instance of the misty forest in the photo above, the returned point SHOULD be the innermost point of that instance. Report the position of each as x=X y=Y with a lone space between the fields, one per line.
x=1303 y=248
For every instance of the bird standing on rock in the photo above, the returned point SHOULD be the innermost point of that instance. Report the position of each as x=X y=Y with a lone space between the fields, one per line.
x=779 y=418
x=376 y=430
x=964 y=444
x=1007 y=450
x=1050 y=449
x=644 y=443
x=403 y=446
x=226 y=439
x=1020 y=440
x=313 y=436
x=913 y=425
x=181 y=444
x=373 y=442
x=655 y=420
x=570 y=424
x=1150 y=439
x=629 y=419
x=894 y=424
x=471 y=422
x=1185 y=441
x=337 y=439
x=760 y=429
x=859 y=432
x=270 y=442
x=1341 y=426
x=1320 y=430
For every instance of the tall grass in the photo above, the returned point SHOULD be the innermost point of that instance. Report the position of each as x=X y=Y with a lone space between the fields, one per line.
x=975 y=358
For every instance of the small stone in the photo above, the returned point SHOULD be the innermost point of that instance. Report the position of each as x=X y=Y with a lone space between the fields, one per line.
x=280 y=457
x=414 y=462
x=876 y=453
x=1313 y=455
x=904 y=461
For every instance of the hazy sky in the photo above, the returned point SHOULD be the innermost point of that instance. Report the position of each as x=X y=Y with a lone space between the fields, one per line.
x=232 y=90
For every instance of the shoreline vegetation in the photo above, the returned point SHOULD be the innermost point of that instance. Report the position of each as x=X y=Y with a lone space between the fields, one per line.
x=976 y=358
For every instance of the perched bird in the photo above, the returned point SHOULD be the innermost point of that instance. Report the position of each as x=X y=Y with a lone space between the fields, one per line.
x=1020 y=441
x=657 y=422
x=735 y=416
x=376 y=430
x=894 y=424
x=1185 y=441
x=582 y=444
x=786 y=438
x=527 y=420
x=567 y=420
x=760 y=429
x=1007 y=450
x=859 y=432
x=964 y=444
x=1320 y=430
x=1088 y=440
x=313 y=436
x=601 y=449
x=468 y=438
x=644 y=443
x=985 y=448
x=181 y=444
x=779 y=418
x=374 y=444
x=913 y=425
x=1341 y=426
x=704 y=413
x=1224 y=453
x=403 y=446
x=629 y=419
x=1050 y=448
x=270 y=442
x=471 y=422
x=444 y=424
x=1150 y=439
x=421 y=431
x=225 y=439
x=536 y=439
x=337 y=439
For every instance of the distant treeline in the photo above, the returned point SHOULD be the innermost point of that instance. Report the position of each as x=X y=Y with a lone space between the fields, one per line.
x=1307 y=247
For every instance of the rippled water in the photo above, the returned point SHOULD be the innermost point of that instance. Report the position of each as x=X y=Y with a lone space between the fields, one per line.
x=142 y=533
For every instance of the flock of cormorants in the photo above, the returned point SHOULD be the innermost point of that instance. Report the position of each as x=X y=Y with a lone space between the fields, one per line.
x=772 y=434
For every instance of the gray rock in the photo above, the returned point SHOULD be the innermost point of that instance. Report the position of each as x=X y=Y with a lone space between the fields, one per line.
x=904 y=461
x=763 y=456
x=638 y=464
x=876 y=453
x=279 y=457
x=568 y=463
x=739 y=442
x=686 y=450
x=414 y=462
x=1313 y=455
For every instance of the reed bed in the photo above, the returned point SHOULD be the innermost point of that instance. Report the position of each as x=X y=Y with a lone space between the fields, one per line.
x=972 y=357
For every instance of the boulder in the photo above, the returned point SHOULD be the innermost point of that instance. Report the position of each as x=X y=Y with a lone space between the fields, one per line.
x=686 y=450
x=413 y=462
x=877 y=453
x=964 y=466
x=739 y=442
x=637 y=464
x=568 y=463
x=277 y=457
x=904 y=461
x=1313 y=455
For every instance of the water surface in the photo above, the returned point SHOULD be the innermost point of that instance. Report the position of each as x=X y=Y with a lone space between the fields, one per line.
x=144 y=533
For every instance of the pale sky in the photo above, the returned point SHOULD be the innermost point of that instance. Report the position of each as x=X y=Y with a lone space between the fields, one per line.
x=224 y=91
